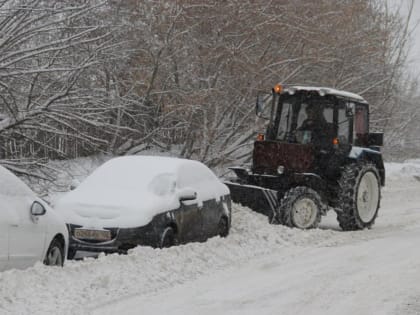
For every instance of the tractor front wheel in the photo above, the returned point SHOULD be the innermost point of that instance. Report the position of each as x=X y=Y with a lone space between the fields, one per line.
x=300 y=207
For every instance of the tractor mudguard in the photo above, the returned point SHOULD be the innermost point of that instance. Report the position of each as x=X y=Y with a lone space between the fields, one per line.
x=366 y=154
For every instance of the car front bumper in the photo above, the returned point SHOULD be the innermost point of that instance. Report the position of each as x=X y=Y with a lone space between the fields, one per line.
x=122 y=239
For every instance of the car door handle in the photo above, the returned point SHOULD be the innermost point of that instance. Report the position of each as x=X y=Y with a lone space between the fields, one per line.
x=14 y=225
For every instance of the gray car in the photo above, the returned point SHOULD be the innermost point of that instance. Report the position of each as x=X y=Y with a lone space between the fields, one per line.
x=145 y=200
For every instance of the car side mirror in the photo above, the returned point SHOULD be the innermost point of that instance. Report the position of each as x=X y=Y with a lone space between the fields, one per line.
x=187 y=194
x=261 y=105
x=37 y=209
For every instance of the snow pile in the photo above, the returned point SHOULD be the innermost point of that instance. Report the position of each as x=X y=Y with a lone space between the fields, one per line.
x=409 y=169
x=83 y=285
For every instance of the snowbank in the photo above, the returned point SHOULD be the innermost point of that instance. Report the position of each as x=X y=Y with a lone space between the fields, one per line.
x=84 y=285
x=81 y=286
x=410 y=169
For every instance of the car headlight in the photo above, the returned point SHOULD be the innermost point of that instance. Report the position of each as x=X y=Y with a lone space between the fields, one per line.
x=280 y=169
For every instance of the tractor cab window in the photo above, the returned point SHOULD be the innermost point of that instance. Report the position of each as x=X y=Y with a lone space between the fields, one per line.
x=315 y=112
x=286 y=118
x=343 y=125
x=361 y=125
x=305 y=120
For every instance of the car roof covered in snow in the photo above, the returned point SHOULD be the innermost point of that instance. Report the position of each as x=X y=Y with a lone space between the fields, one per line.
x=160 y=164
x=137 y=171
x=11 y=185
x=292 y=89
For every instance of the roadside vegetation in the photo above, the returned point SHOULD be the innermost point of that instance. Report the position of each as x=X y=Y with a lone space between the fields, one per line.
x=79 y=78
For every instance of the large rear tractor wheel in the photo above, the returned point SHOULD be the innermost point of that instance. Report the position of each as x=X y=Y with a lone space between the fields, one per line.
x=301 y=207
x=359 y=196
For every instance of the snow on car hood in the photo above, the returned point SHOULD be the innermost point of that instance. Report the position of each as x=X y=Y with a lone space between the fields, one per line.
x=124 y=209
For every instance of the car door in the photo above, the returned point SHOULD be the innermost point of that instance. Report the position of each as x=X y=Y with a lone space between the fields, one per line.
x=4 y=237
x=190 y=210
x=26 y=235
x=190 y=221
x=211 y=215
x=211 y=210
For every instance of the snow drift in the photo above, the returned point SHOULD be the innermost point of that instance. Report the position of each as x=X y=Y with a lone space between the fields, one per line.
x=82 y=286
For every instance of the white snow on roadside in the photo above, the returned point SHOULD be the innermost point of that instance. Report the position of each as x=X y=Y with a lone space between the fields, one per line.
x=83 y=286
x=93 y=282
x=408 y=169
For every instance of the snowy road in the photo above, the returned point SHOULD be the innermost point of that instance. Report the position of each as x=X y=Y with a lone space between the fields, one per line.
x=364 y=278
x=379 y=275
x=258 y=269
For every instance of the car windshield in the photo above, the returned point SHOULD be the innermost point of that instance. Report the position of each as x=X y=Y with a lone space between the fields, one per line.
x=155 y=174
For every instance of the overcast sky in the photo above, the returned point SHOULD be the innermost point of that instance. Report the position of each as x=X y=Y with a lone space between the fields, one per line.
x=415 y=19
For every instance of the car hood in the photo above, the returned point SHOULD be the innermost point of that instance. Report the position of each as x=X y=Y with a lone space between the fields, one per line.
x=115 y=208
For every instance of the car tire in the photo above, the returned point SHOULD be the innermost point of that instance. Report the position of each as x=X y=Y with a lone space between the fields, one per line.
x=223 y=227
x=55 y=254
x=71 y=253
x=167 y=238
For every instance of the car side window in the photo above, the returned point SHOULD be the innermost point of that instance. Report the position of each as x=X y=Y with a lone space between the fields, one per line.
x=163 y=184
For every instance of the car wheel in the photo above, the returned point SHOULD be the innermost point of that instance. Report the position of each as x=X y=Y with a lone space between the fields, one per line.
x=71 y=253
x=55 y=254
x=167 y=238
x=223 y=227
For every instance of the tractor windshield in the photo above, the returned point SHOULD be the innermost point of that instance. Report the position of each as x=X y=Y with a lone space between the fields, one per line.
x=315 y=120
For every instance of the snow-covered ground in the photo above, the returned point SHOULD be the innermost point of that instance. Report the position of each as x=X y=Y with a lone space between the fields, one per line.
x=258 y=269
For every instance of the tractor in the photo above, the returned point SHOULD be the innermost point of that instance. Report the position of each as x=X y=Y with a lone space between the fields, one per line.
x=316 y=154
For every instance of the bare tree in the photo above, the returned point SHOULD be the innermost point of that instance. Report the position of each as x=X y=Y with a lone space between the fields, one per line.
x=77 y=78
x=49 y=98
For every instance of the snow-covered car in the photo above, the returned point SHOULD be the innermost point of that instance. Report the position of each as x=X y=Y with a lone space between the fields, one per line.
x=30 y=230
x=145 y=200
